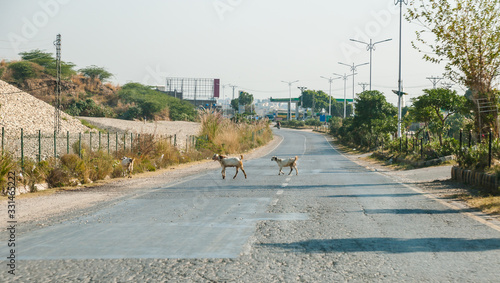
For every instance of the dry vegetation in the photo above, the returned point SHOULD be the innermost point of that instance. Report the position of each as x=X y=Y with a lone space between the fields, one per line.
x=150 y=151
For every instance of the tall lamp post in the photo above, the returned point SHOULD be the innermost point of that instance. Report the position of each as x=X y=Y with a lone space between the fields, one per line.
x=353 y=69
x=344 y=77
x=371 y=46
x=302 y=88
x=400 y=87
x=290 y=103
x=330 y=80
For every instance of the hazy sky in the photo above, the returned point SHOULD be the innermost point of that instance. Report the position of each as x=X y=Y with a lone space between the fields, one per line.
x=254 y=44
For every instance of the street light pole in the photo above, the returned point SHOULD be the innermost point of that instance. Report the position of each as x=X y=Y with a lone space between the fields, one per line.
x=400 y=88
x=353 y=69
x=302 y=88
x=344 y=77
x=330 y=79
x=290 y=103
x=371 y=46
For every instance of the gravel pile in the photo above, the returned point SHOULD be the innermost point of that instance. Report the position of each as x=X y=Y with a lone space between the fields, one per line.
x=20 y=110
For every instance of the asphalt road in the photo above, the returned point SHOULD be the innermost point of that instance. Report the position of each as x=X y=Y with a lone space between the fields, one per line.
x=335 y=221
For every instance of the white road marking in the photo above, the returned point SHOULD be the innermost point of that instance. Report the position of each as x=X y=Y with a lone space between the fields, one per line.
x=284 y=185
x=280 y=192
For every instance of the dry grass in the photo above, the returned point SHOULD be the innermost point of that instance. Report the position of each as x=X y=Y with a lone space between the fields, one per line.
x=490 y=204
x=226 y=137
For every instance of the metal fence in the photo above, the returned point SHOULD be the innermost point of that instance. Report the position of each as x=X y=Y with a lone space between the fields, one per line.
x=41 y=145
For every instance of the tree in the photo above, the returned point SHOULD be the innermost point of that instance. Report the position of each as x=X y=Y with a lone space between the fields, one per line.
x=235 y=104
x=47 y=61
x=435 y=107
x=95 y=72
x=38 y=56
x=244 y=98
x=466 y=36
x=375 y=118
x=319 y=99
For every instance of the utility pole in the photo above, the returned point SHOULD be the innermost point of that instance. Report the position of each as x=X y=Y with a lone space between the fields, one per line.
x=363 y=85
x=330 y=80
x=353 y=69
x=400 y=86
x=57 y=106
x=371 y=46
x=233 y=86
x=344 y=77
x=434 y=81
x=290 y=102
x=302 y=88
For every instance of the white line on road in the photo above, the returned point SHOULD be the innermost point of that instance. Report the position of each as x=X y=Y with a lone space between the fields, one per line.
x=280 y=192
x=284 y=185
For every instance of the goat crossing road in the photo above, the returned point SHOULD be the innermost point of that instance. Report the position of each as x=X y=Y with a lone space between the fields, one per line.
x=336 y=221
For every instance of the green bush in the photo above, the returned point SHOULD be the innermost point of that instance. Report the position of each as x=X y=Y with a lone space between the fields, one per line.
x=58 y=177
x=313 y=122
x=6 y=165
x=88 y=108
x=100 y=165
x=75 y=166
x=293 y=124
x=22 y=70
x=335 y=124
x=149 y=103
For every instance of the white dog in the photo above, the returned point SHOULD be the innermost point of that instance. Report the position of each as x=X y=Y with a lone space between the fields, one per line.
x=288 y=162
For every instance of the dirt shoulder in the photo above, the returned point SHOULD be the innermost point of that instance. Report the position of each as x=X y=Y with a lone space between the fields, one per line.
x=54 y=203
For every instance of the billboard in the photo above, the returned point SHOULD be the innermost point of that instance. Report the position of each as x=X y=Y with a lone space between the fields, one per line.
x=194 y=88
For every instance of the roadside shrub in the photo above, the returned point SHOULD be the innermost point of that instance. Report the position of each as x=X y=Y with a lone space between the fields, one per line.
x=223 y=136
x=335 y=124
x=100 y=165
x=313 y=122
x=35 y=173
x=75 y=166
x=7 y=164
x=117 y=170
x=58 y=177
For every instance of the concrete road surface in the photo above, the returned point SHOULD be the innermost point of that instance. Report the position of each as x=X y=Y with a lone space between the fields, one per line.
x=335 y=221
